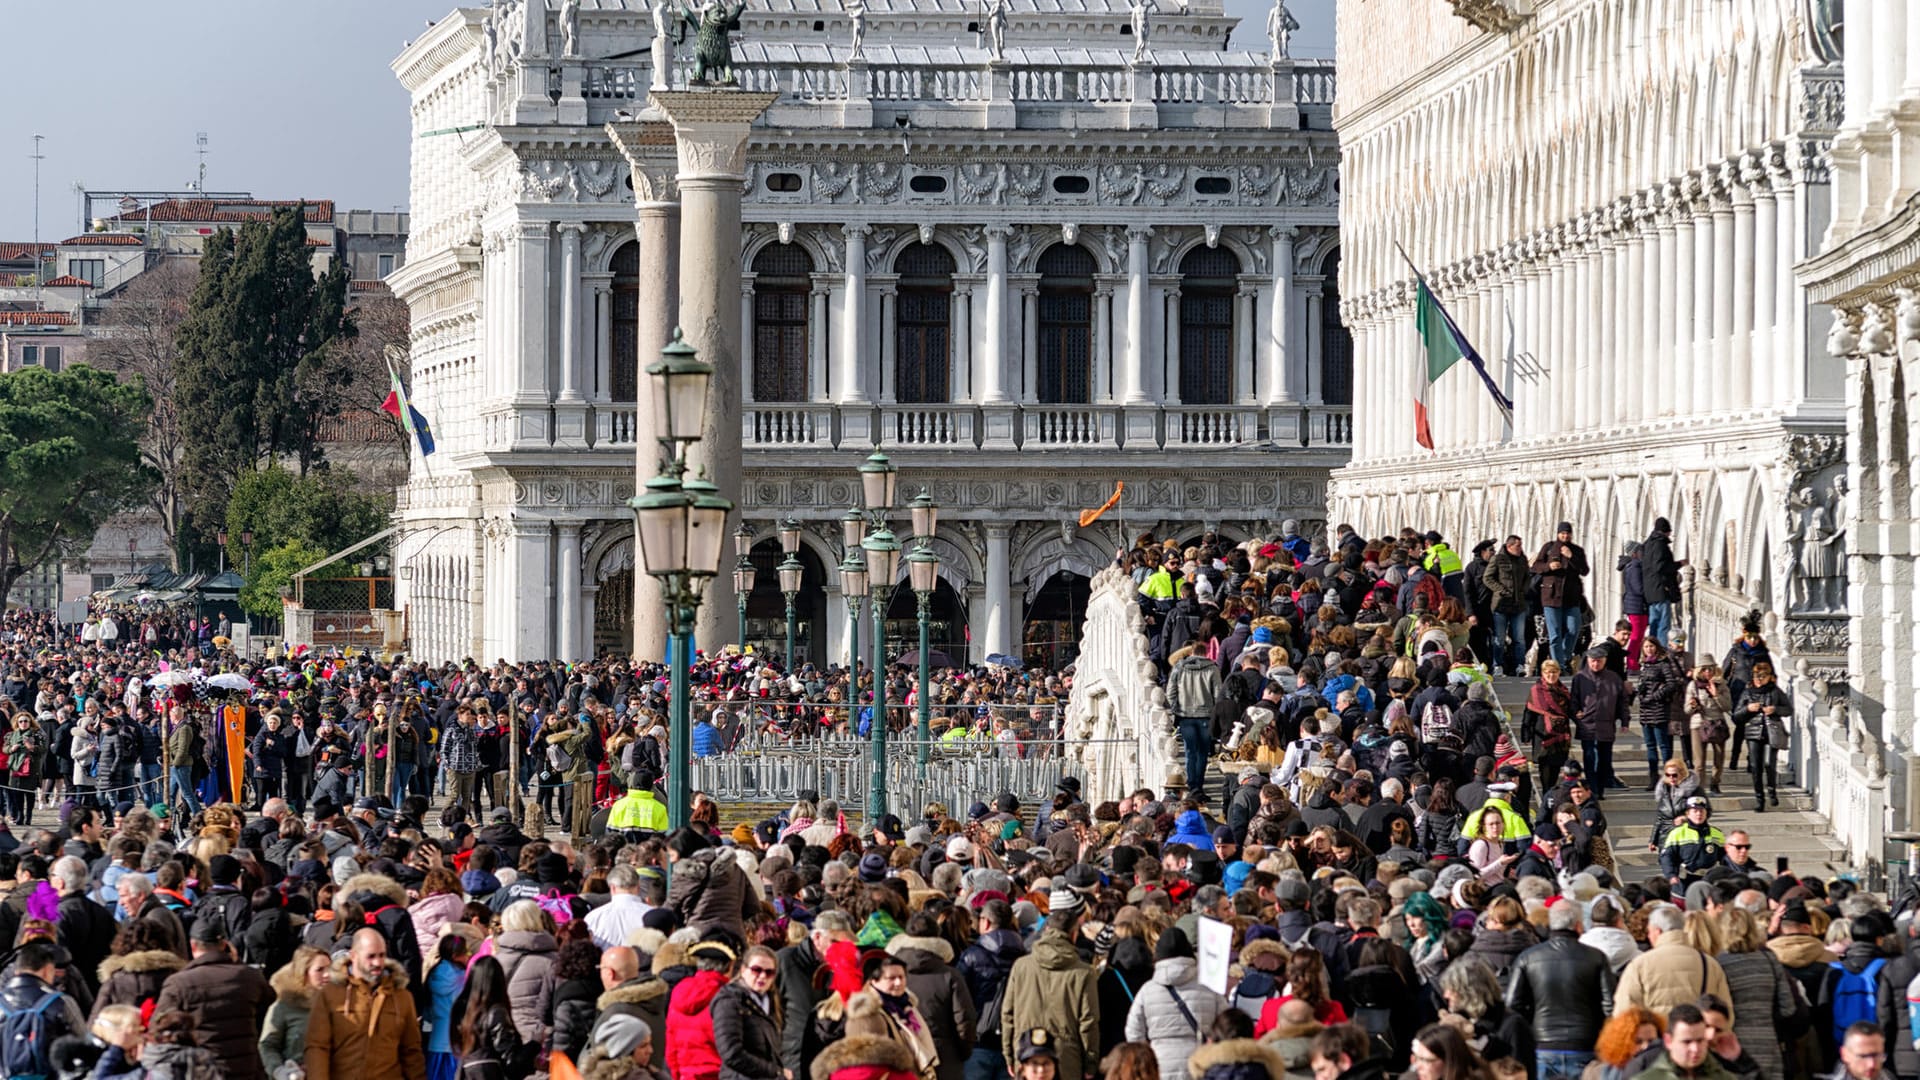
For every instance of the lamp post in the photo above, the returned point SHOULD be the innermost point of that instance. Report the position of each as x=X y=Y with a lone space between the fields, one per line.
x=923 y=573
x=221 y=538
x=743 y=575
x=791 y=574
x=878 y=483
x=246 y=542
x=680 y=527
x=853 y=584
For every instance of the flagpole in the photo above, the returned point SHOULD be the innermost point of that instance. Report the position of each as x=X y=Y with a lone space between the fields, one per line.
x=406 y=403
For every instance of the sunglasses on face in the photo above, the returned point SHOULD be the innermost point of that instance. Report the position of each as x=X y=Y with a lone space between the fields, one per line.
x=755 y=969
x=1739 y=847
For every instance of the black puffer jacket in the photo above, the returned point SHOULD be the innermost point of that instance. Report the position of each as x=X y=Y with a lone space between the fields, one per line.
x=1566 y=987
x=572 y=1010
x=745 y=1036
x=945 y=1002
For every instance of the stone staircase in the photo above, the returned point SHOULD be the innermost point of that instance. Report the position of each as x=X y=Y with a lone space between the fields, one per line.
x=1793 y=830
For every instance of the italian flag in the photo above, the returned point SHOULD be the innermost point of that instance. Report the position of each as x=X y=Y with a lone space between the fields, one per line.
x=1444 y=346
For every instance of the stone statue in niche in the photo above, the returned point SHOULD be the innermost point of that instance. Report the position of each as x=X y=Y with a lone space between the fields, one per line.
x=712 y=21
x=1819 y=551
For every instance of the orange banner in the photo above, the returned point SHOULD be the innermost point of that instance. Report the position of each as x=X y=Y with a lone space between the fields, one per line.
x=1088 y=517
x=233 y=726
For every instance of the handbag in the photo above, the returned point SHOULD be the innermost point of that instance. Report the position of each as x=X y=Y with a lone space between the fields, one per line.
x=1778 y=737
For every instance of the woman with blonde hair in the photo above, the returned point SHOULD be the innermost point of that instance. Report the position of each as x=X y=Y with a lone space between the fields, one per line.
x=283 y=1040
x=1702 y=933
x=1709 y=709
x=1676 y=784
x=1758 y=987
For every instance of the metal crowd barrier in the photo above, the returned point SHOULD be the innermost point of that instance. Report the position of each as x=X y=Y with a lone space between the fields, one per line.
x=764 y=769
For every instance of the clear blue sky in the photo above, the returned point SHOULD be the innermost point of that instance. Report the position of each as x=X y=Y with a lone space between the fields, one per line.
x=295 y=97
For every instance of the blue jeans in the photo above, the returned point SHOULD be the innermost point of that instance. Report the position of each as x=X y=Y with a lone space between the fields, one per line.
x=1560 y=1064
x=402 y=776
x=150 y=783
x=1509 y=641
x=1563 y=627
x=1660 y=622
x=1659 y=745
x=1597 y=758
x=183 y=784
x=987 y=1062
x=1196 y=734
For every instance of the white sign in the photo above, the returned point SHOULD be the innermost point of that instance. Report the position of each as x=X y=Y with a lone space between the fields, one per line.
x=1216 y=942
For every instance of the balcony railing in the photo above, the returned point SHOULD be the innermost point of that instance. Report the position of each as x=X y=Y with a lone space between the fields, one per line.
x=1213 y=425
x=941 y=426
x=1040 y=428
x=787 y=425
x=1069 y=425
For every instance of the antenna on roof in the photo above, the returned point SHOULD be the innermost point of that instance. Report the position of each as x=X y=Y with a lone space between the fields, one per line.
x=38 y=157
x=200 y=140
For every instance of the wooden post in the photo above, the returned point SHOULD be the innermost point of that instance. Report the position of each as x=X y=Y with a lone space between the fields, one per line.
x=166 y=769
x=513 y=760
x=393 y=725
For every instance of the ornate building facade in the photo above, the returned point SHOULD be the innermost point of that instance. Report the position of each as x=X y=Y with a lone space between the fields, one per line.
x=1610 y=198
x=1867 y=271
x=1028 y=249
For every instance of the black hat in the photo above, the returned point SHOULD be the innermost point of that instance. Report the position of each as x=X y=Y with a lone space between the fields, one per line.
x=1081 y=877
x=365 y=802
x=226 y=869
x=209 y=931
x=888 y=825
x=1598 y=652
x=1548 y=831
x=1485 y=545
x=1006 y=803
x=1795 y=912
x=1070 y=785
x=1035 y=1044
x=664 y=919
x=1173 y=945
x=1564 y=527
x=551 y=869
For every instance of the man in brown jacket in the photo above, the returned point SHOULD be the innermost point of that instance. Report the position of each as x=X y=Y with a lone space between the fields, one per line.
x=1672 y=972
x=363 y=1022
x=227 y=999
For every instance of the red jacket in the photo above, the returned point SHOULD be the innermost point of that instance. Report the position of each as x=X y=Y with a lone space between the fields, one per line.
x=691 y=1054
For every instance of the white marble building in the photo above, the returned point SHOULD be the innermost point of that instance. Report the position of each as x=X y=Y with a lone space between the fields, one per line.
x=1023 y=247
x=1610 y=198
x=1867 y=271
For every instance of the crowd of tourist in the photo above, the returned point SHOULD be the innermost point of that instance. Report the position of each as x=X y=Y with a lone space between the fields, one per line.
x=1371 y=865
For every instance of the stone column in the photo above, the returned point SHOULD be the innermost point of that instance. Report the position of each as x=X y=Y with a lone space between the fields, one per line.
x=748 y=392
x=657 y=229
x=532 y=418
x=711 y=130
x=568 y=644
x=1170 y=342
x=1246 y=316
x=856 y=420
x=1281 y=388
x=1582 y=412
x=602 y=308
x=1726 y=268
x=888 y=352
x=569 y=409
x=817 y=342
x=1680 y=287
x=1000 y=614
x=1788 y=371
x=1316 y=342
x=1648 y=301
x=1705 y=393
x=1766 y=268
x=960 y=358
x=996 y=405
x=1139 y=422
x=1744 y=333
x=1030 y=342
x=1102 y=344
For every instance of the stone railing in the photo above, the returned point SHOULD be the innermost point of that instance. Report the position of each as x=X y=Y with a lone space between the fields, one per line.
x=615 y=426
x=1118 y=723
x=1330 y=425
x=1190 y=90
x=1039 y=428
x=1212 y=425
x=1069 y=425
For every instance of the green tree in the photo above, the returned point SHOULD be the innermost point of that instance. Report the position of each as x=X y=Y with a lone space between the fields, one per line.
x=273 y=571
x=69 y=459
x=322 y=509
x=263 y=359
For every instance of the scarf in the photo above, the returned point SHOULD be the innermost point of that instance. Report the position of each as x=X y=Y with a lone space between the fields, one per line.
x=900 y=1008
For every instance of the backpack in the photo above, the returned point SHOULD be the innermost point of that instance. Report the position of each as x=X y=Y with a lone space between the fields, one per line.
x=25 y=1043
x=558 y=760
x=1856 y=997
x=1437 y=729
x=554 y=903
x=393 y=923
x=232 y=909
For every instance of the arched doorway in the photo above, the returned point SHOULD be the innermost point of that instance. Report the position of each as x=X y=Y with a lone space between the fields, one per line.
x=946 y=629
x=767 y=607
x=1064 y=338
x=1209 y=281
x=782 y=290
x=1050 y=639
x=613 y=614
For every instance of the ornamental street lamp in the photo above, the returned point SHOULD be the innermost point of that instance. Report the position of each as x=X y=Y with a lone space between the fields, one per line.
x=680 y=528
x=246 y=541
x=221 y=537
x=791 y=573
x=883 y=568
x=923 y=573
x=853 y=585
x=743 y=575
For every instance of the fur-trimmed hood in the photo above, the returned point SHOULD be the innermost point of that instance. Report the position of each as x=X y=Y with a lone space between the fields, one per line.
x=145 y=960
x=857 y=1050
x=378 y=884
x=290 y=987
x=939 y=947
x=395 y=979
x=1236 y=1059
x=1254 y=950
x=635 y=992
x=596 y=1065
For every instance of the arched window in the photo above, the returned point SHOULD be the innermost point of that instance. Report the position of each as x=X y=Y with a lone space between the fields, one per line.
x=1065 y=333
x=1209 y=279
x=623 y=367
x=782 y=290
x=1336 y=343
x=923 y=342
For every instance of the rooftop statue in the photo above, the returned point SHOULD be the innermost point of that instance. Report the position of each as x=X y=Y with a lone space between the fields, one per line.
x=712 y=53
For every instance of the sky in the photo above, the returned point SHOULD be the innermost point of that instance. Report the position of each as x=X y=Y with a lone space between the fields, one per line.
x=295 y=97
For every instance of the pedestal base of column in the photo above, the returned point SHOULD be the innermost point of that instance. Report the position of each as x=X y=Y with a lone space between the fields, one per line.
x=1141 y=115
x=572 y=107
x=997 y=426
x=532 y=424
x=1906 y=157
x=856 y=426
x=858 y=110
x=1283 y=114
x=1140 y=427
x=570 y=424
x=1000 y=111
x=1285 y=424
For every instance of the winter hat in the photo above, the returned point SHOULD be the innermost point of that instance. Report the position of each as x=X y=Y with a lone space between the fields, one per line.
x=1262 y=636
x=620 y=1034
x=1173 y=945
x=1236 y=1059
x=865 y=1057
x=1062 y=900
x=1502 y=747
x=1564 y=527
x=1479 y=691
x=960 y=849
x=873 y=867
